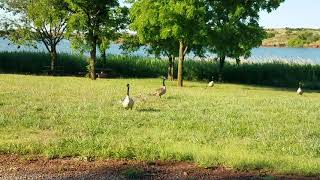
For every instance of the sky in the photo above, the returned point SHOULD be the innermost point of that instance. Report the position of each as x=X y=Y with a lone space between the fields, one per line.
x=291 y=13
x=294 y=14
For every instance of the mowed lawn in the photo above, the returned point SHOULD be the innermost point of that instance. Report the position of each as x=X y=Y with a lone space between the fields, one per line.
x=237 y=126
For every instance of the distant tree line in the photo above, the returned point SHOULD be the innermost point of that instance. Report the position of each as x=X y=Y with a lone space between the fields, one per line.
x=172 y=28
x=292 y=37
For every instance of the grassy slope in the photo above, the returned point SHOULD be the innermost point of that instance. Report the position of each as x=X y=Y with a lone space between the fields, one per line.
x=282 y=36
x=239 y=126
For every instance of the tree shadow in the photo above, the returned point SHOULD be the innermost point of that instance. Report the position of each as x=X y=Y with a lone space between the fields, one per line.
x=173 y=97
x=148 y=110
x=72 y=169
x=283 y=89
x=172 y=170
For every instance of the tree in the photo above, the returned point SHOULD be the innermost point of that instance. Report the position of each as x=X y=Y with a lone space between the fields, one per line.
x=243 y=43
x=169 y=21
x=168 y=48
x=234 y=27
x=37 y=21
x=93 y=23
x=158 y=47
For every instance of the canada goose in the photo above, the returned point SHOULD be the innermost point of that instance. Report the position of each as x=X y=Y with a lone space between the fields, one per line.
x=300 y=90
x=128 y=101
x=211 y=83
x=102 y=75
x=161 y=91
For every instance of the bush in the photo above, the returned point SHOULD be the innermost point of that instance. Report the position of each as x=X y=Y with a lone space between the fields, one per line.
x=34 y=62
x=303 y=39
x=271 y=74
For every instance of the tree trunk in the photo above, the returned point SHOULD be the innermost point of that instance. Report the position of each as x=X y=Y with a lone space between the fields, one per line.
x=170 y=68
x=221 y=65
x=53 y=56
x=93 y=59
x=181 y=61
x=104 y=58
x=238 y=61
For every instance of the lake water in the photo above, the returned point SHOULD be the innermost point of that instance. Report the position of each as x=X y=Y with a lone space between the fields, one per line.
x=301 y=55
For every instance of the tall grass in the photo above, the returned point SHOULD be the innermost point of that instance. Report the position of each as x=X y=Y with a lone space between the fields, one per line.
x=35 y=62
x=282 y=74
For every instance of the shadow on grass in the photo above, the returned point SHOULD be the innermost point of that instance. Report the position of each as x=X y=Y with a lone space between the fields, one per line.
x=173 y=97
x=69 y=169
x=171 y=170
x=148 y=110
x=283 y=89
x=254 y=166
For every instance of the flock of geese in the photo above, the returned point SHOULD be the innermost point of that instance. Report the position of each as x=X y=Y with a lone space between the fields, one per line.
x=128 y=102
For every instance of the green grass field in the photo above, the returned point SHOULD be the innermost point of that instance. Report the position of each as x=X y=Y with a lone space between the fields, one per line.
x=238 y=126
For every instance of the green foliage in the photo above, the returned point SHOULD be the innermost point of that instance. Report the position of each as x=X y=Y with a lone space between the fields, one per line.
x=34 y=63
x=36 y=21
x=94 y=23
x=130 y=43
x=170 y=27
x=94 y=18
x=237 y=126
x=168 y=19
x=293 y=37
x=271 y=34
x=296 y=42
x=303 y=39
x=271 y=74
x=235 y=28
x=289 y=31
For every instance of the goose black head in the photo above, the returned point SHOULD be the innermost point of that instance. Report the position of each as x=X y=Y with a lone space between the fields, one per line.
x=300 y=84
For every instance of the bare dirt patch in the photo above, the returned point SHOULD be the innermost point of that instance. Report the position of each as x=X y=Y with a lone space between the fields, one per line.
x=16 y=167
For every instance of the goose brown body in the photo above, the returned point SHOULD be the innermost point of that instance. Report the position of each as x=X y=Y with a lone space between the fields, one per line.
x=161 y=91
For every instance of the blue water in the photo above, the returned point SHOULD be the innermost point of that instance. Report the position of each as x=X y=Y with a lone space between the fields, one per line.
x=63 y=47
x=304 y=55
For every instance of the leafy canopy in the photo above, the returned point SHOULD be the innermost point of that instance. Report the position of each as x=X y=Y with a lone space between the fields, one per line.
x=98 y=19
x=37 y=20
x=168 y=20
x=235 y=26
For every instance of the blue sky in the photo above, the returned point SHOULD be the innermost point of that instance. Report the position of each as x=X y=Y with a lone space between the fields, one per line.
x=291 y=13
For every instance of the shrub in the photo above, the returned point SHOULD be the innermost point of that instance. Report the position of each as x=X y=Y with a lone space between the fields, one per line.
x=271 y=74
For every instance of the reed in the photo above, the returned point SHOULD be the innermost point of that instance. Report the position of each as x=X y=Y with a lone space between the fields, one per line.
x=271 y=73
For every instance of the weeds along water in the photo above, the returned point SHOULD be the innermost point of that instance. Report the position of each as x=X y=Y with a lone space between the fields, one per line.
x=270 y=72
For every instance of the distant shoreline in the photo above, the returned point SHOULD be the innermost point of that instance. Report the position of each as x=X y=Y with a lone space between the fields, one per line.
x=292 y=37
x=280 y=46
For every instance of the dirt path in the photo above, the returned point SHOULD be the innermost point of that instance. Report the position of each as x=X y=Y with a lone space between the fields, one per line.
x=14 y=167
